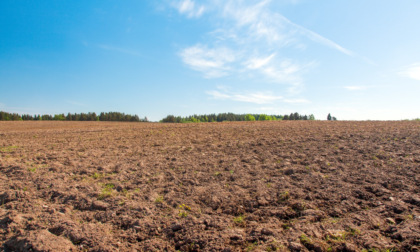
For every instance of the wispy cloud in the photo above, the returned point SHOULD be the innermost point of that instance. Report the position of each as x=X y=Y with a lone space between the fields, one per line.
x=189 y=8
x=318 y=38
x=212 y=63
x=257 y=98
x=249 y=38
x=257 y=63
x=267 y=97
x=412 y=71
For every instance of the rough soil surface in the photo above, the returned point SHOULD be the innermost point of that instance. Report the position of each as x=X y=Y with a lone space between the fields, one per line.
x=257 y=186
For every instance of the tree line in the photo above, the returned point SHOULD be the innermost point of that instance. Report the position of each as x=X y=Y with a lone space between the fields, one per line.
x=231 y=117
x=91 y=116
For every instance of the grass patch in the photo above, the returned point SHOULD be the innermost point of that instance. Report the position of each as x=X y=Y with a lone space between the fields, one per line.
x=106 y=191
x=7 y=149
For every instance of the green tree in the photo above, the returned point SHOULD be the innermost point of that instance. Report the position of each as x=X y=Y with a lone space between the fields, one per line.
x=263 y=117
x=249 y=117
x=329 y=118
x=292 y=116
x=59 y=117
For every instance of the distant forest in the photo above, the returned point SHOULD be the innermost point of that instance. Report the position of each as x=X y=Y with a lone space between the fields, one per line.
x=121 y=117
x=110 y=116
x=234 y=117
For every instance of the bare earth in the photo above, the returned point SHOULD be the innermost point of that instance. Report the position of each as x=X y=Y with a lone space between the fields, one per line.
x=246 y=186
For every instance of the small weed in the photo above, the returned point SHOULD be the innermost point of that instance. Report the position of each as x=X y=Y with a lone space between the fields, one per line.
x=353 y=231
x=305 y=240
x=217 y=174
x=33 y=169
x=182 y=214
x=285 y=225
x=109 y=186
x=284 y=196
x=231 y=172
x=339 y=236
x=97 y=175
x=159 y=200
x=239 y=220
x=251 y=246
x=183 y=210
x=275 y=246
x=185 y=207
x=126 y=193
x=377 y=250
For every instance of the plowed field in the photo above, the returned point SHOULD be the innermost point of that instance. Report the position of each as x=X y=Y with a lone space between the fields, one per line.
x=245 y=186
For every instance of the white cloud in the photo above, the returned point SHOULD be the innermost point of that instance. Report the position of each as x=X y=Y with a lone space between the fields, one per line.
x=212 y=63
x=412 y=71
x=223 y=93
x=260 y=22
x=257 y=97
x=190 y=9
x=284 y=71
x=318 y=38
x=250 y=38
x=257 y=63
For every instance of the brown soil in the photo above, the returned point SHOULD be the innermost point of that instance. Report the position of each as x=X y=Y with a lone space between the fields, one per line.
x=258 y=186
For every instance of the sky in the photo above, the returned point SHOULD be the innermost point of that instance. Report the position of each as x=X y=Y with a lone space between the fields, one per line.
x=358 y=60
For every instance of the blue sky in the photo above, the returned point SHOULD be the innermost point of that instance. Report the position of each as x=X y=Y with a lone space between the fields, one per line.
x=357 y=60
